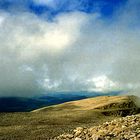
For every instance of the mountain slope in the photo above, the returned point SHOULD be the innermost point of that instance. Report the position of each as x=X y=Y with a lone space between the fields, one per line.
x=25 y=104
x=119 y=105
x=49 y=122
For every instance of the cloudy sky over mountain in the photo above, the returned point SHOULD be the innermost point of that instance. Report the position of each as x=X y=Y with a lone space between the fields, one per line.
x=69 y=45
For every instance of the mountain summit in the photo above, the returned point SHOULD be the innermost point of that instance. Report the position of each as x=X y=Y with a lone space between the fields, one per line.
x=52 y=121
x=108 y=105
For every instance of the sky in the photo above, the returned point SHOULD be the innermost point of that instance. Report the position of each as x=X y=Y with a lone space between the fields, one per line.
x=69 y=45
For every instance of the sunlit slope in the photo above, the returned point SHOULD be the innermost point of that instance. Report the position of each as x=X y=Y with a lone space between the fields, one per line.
x=49 y=122
x=106 y=104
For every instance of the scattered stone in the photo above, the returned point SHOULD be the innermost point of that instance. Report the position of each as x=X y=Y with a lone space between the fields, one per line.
x=125 y=128
x=78 y=138
x=78 y=131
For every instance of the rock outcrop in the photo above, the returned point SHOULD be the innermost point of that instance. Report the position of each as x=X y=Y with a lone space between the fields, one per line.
x=125 y=128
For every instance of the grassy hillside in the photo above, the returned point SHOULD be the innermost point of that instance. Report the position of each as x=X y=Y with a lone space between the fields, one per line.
x=48 y=122
x=24 y=104
x=118 y=105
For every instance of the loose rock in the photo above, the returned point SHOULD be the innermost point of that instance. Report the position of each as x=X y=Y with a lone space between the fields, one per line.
x=125 y=128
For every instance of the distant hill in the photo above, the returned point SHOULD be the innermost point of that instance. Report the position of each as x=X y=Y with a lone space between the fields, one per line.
x=22 y=104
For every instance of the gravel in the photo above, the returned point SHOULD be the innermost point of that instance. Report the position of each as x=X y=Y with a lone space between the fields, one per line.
x=125 y=128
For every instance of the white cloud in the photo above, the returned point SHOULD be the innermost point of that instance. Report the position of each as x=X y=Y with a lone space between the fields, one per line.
x=76 y=51
x=25 y=47
x=2 y=18
x=101 y=83
x=35 y=36
x=50 y=3
x=49 y=85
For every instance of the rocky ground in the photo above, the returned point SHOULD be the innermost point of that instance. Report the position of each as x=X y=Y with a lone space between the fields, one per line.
x=125 y=128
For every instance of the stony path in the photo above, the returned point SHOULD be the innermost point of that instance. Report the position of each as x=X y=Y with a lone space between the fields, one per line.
x=125 y=128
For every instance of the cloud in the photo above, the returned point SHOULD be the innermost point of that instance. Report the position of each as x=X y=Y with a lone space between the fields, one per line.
x=101 y=84
x=76 y=51
x=50 y=3
x=1 y=20
x=28 y=49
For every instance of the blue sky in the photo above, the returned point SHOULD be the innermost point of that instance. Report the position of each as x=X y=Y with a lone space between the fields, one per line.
x=69 y=45
x=54 y=7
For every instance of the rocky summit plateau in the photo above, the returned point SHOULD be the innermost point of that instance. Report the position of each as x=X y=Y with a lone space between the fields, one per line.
x=125 y=128
x=98 y=118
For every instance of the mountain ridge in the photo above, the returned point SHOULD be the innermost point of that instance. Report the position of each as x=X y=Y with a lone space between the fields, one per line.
x=104 y=103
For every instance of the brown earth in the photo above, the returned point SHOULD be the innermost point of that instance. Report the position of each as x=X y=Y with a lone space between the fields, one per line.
x=49 y=122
